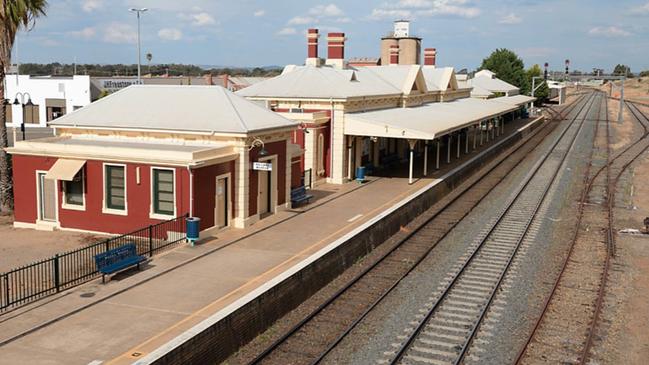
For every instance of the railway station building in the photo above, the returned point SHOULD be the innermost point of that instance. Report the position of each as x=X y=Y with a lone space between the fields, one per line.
x=147 y=154
x=352 y=116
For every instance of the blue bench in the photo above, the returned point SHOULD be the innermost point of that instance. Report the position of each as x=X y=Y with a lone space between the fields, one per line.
x=299 y=195
x=118 y=259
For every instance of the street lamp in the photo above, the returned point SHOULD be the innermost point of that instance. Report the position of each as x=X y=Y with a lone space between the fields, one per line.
x=22 y=103
x=258 y=143
x=139 y=59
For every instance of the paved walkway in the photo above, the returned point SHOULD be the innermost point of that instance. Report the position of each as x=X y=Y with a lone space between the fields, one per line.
x=136 y=313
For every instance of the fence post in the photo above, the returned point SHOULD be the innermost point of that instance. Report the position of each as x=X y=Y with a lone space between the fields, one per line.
x=6 y=291
x=57 y=279
x=150 y=241
x=107 y=245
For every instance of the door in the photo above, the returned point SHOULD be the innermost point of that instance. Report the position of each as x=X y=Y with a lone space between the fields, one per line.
x=264 y=191
x=222 y=202
x=46 y=198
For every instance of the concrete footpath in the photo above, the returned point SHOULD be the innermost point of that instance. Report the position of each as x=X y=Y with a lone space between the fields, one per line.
x=137 y=312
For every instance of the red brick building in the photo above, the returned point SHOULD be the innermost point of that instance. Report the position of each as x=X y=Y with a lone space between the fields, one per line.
x=150 y=153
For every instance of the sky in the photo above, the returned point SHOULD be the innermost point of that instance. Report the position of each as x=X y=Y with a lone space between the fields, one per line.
x=593 y=33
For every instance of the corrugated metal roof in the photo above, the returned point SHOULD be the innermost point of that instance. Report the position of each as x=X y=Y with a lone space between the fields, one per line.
x=493 y=85
x=179 y=108
x=326 y=82
x=424 y=122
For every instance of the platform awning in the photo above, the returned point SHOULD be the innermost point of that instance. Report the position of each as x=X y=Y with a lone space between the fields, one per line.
x=65 y=169
x=519 y=100
x=424 y=122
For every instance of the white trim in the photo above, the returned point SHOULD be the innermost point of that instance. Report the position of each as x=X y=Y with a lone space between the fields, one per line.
x=39 y=218
x=152 y=214
x=104 y=208
x=82 y=207
x=227 y=175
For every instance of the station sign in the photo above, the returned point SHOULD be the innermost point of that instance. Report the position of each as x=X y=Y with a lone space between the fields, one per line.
x=262 y=166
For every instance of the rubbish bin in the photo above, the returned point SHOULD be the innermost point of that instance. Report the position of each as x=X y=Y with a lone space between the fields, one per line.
x=360 y=174
x=193 y=229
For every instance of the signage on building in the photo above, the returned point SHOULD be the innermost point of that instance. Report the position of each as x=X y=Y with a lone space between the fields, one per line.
x=262 y=166
x=117 y=84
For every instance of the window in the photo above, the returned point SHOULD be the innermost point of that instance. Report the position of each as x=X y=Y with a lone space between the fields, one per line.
x=74 y=190
x=163 y=192
x=115 y=194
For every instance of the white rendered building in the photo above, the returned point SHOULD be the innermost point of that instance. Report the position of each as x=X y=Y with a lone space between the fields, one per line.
x=51 y=96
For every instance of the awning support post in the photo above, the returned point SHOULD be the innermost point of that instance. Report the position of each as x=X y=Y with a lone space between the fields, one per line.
x=481 y=133
x=426 y=158
x=411 y=143
x=475 y=136
x=449 y=140
x=437 y=155
x=466 y=147
x=459 y=143
x=503 y=127
x=497 y=125
x=349 y=157
x=493 y=129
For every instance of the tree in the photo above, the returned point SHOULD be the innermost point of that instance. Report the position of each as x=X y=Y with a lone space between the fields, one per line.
x=543 y=91
x=508 y=67
x=149 y=57
x=621 y=70
x=14 y=15
x=644 y=73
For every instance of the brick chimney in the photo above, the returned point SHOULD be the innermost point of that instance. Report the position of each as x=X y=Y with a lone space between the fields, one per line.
x=394 y=54
x=312 y=48
x=430 y=57
x=336 y=49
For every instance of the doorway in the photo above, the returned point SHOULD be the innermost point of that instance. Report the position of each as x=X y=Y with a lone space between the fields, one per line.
x=264 y=192
x=46 y=198
x=222 y=213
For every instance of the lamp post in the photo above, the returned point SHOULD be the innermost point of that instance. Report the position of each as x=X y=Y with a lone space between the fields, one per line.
x=139 y=58
x=23 y=104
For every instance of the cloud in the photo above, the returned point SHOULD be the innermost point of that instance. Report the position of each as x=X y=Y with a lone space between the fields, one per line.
x=85 y=33
x=425 y=8
x=120 y=33
x=510 y=18
x=319 y=14
x=329 y=10
x=198 y=18
x=609 y=32
x=259 y=13
x=91 y=5
x=286 y=31
x=170 y=34
x=642 y=9
x=300 y=20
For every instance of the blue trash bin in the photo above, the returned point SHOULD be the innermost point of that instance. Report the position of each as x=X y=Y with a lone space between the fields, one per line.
x=360 y=174
x=193 y=229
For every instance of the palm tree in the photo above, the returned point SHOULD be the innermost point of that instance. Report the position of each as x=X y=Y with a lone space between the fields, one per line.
x=149 y=57
x=14 y=15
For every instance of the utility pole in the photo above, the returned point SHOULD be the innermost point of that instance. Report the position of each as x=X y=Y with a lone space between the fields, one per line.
x=139 y=58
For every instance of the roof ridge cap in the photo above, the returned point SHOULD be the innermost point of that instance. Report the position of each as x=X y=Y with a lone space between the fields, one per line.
x=236 y=112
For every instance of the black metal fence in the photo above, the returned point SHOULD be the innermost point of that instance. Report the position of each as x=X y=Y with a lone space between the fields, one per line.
x=65 y=270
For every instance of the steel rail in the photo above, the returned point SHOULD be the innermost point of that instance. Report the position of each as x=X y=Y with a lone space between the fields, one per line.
x=294 y=329
x=610 y=238
x=420 y=326
x=556 y=117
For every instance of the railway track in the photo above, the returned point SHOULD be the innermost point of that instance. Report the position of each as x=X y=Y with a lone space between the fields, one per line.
x=565 y=330
x=449 y=323
x=310 y=340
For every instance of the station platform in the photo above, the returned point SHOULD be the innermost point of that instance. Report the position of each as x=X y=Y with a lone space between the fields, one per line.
x=137 y=313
